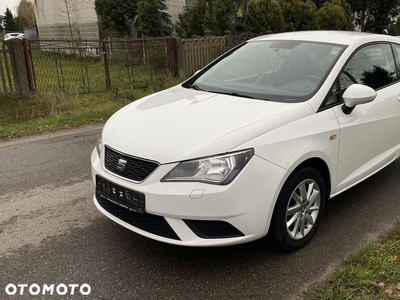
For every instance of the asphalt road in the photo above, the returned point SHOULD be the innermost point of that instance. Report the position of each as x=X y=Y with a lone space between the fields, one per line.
x=51 y=233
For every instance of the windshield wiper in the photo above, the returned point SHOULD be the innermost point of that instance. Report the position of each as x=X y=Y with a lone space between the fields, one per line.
x=195 y=87
x=241 y=95
x=236 y=94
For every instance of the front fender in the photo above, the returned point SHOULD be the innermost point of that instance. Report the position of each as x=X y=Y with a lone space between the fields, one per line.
x=314 y=136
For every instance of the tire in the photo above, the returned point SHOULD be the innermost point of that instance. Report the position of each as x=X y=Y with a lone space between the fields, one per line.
x=298 y=209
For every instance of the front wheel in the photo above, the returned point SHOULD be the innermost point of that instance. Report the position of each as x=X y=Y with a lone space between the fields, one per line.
x=298 y=209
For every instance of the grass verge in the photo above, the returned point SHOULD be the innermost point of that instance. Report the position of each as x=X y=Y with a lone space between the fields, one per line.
x=54 y=111
x=371 y=274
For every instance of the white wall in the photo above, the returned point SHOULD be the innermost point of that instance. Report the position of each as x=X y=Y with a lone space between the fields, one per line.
x=175 y=7
x=52 y=19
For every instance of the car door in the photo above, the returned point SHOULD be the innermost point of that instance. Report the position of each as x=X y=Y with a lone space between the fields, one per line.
x=369 y=136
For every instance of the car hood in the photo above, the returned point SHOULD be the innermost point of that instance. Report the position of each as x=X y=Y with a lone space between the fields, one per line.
x=179 y=124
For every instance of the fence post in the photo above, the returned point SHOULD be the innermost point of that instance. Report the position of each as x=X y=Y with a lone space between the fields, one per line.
x=180 y=64
x=174 y=64
x=106 y=66
x=228 y=39
x=29 y=65
x=18 y=63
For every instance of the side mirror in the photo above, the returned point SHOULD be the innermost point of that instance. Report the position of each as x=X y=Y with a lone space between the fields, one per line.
x=357 y=94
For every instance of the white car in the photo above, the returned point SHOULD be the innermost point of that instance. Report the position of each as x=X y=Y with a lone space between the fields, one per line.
x=13 y=35
x=255 y=142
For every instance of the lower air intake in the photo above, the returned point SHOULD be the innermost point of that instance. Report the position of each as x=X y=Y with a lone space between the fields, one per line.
x=213 y=229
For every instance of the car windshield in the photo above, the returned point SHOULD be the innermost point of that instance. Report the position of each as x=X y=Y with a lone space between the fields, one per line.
x=280 y=70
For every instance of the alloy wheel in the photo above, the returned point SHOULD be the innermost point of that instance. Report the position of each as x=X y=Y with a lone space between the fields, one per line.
x=303 y=209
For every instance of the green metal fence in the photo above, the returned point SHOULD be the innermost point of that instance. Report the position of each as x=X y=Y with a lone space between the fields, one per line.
x=87 y=66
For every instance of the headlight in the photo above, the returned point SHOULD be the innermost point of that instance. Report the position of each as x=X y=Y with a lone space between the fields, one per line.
x=99 y=145
x=221 y=169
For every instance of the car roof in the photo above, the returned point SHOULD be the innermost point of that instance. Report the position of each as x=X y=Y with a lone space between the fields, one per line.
x=331 y=36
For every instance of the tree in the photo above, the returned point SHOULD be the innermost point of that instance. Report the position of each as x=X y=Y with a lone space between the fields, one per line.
x=67 y=12
x=20 y=23
x=360 y=12
x=220 y=15
x=117 y=14
x=380 y=15
x=299 y=15
x=319 y=3
x=374 y=15
x=214 y=15
x=192 y=21
x=264 y=16
x=167 y=22
x=335 y=16
x=394 y=28
x=9 y=22
x=152 y=19
x=26 y=14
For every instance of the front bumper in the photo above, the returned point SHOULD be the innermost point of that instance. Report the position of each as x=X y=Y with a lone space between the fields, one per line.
x=198 y=214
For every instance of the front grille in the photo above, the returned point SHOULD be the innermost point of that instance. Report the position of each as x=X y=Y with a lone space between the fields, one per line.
x=213 y=229
x=136 y=169
x=147 y=222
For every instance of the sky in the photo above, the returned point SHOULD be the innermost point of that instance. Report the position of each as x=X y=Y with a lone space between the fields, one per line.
x=11 y=4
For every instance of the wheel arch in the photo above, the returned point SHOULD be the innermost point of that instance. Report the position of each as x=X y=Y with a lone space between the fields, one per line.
x=296 y=233
x=321 y=166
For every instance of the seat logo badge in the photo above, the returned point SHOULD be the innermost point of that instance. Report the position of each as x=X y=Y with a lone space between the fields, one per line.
x=121 y=165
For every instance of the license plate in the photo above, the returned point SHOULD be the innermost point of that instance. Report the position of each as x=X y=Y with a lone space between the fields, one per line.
x=126 y=198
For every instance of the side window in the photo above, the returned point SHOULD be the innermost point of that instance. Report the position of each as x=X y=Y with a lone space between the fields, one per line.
x=372 y=65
